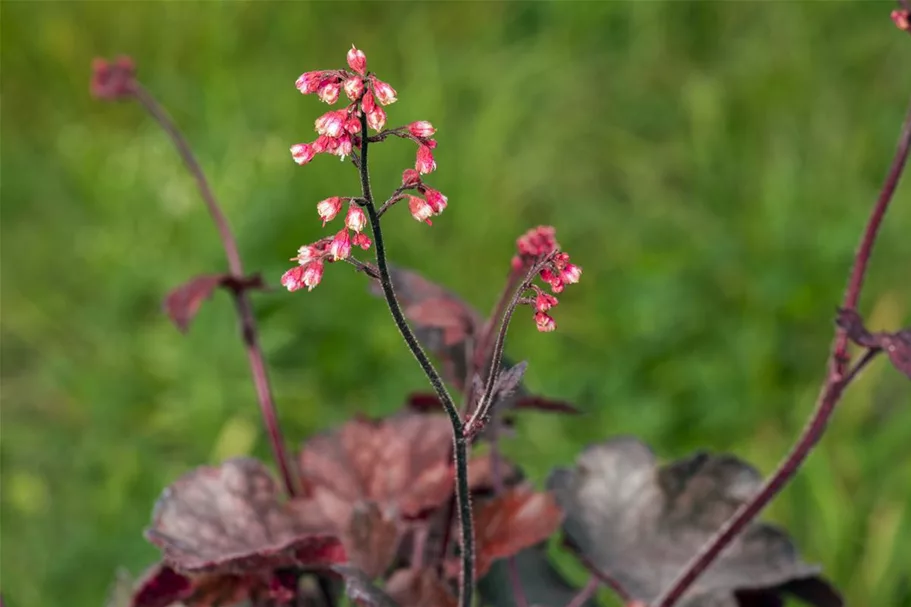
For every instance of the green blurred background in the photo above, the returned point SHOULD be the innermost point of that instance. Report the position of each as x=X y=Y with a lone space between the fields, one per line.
x=710 y=165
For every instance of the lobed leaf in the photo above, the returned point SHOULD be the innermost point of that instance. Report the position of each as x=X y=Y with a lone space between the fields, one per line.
x=640 y=523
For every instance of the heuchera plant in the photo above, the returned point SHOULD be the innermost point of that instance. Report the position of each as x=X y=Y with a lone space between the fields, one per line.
x=402 y=510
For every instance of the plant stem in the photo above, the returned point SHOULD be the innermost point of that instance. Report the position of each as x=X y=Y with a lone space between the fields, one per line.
x=587 y=592
x=833 y=387
x=463 y=495
x=862 y=258
x=245 y=314
x=604 y=578
x=477 y=420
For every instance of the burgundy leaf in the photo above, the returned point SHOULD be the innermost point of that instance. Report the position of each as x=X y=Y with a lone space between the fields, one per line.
x=516 y=519
x=182 y=303
x=425 y=402
x=402 y=463
x=419 y=588
x=543 y=585
x=372 y=539
x=540 y=403
x=228 y=519
x=442 y=322
x=160 y=587
x=360 y=589
x=898 y=347
x=641 y=523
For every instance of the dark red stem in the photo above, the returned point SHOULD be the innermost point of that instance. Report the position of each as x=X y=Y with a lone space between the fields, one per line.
x=587 y=592
x=242 y=300
x=833 y=387
x=604 y=578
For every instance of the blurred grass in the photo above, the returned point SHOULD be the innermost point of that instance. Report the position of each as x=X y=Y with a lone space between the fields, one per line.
x=710 y=165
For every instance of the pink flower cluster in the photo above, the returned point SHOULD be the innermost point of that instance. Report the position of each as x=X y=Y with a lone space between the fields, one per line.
x=533 y=246
x=338 y=129
x=340 y=133
x=902 y=19
x=433 y=202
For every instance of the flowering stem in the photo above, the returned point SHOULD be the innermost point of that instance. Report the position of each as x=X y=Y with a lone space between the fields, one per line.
x=248 y=327
x=478 y=418
x=478 y=357
x=833 y=387
x=458 y=430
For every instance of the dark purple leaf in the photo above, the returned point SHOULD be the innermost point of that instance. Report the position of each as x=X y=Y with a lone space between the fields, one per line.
x=360 y=589
x=541 y=403
x=160 y=587
x=441 y=321
x=228 y=519
x=544 y=586
x=182 y=303
x=898 y=347
x=640 y=523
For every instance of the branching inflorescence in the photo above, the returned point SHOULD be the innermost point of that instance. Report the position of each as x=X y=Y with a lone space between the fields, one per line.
x=377 y=499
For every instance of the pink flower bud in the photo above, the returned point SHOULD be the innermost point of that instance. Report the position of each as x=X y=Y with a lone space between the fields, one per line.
x=421 y=128
x=357 y=60
x=537 y=242
x=322 y=144
x=376 y=119
x=306 y=254
x=571 y=274
x=435 y=199
x=343 y=147
x=328 y=92
x=556 y=284
x=312 y=274
x=309 y=82
x=545 y=323
x=302 y=153
x=385 y=94
x=544 y=302
x=410 y=177
x=329 y=208
x=293 y=279
x=113 y=79
x=340 y=247
x=419 y=208
x=902 y=19
x=356 y=218
x=331 y=124
x=368 y=103
x=425 y=163
x=354 y=86
x=353 y=125
x=361 y=240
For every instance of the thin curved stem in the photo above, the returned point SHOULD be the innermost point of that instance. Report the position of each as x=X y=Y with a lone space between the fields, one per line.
x=833 y=387
x=242 y=302
x=478 y=418
x=862 y=257
x=463 y=495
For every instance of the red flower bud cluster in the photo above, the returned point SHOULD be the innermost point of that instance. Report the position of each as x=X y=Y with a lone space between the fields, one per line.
x=533 y=246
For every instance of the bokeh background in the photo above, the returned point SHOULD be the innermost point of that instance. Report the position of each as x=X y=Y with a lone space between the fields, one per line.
x=710 y=165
